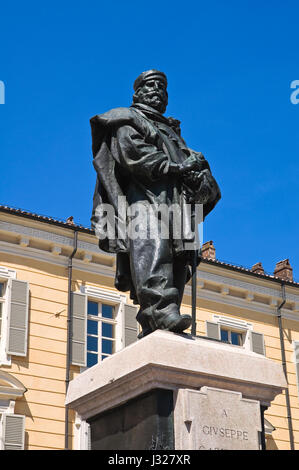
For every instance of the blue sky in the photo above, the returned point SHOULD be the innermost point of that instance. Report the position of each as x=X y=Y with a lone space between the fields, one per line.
x=229 y=66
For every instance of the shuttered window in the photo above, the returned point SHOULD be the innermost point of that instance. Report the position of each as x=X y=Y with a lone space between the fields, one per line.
x=101 y=325
x=18 y=318
x=2 y=300
x=100 y=332
x=233 y=336
x=257 y=342
x=78 y=329
x=213 y=330
x=296 y=360
x=13 y=429
x=14 y=316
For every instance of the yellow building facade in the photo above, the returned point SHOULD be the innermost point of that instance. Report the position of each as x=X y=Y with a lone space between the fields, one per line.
x=60 y=313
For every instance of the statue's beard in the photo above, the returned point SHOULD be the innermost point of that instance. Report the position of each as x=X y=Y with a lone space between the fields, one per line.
x=153 y=99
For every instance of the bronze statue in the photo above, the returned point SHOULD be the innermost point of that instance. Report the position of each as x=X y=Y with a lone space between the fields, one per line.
x=140 y=155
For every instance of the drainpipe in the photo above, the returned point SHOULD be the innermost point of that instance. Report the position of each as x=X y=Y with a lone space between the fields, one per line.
x=69 y=329
x=284 y=365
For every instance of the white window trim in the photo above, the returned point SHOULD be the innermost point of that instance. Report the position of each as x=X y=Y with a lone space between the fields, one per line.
x=81 y=434
x=6 y=275
x=99 y=319
x=294 y=344
x=98 y=294
x=8 y=394
x=6 y=407
x=240 y=326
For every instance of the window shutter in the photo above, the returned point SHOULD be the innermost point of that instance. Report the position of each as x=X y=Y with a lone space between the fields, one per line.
x=79 y=329
x=213 y=330
x=88 y=437
x=257 y=342
x=18 y=318
x=131 y=327
x=296 y=349
x=13 y=432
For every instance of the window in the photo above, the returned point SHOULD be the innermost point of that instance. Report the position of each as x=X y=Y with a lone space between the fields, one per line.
x=101 y=325
x=2 y=300
x=14 y=307
x=296 y=361
x=235 y=331
x=12 y=426
x=231 y=337
x=13 y=432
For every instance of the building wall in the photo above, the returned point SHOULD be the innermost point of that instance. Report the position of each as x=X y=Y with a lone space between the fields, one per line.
x=220 y=292
x=267 y=324
x=43 y=370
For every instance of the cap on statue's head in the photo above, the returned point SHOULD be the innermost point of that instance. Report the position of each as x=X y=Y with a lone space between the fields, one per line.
x=149 y=75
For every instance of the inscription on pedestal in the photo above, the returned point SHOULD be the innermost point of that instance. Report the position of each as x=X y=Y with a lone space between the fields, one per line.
x=215 y=419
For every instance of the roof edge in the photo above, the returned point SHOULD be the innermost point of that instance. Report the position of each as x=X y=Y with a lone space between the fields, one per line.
x=81 y=228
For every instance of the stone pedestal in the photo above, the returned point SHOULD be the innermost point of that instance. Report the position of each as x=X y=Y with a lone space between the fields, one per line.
x=216 y=419
x=170 y=391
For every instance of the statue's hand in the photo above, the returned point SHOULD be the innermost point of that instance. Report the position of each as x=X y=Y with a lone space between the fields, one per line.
x=194 y=164
x=193 y=178
x=197 y=186
x=191 y=163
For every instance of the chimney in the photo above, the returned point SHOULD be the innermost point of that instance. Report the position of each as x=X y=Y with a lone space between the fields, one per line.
x=258 y=268
x=284 y=270
x=70 y=220
x=208 y=250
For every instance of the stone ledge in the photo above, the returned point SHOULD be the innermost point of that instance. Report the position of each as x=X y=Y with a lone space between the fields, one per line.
x=167 y=360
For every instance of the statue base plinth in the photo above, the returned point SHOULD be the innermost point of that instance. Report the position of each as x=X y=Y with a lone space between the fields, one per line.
x=170 y=391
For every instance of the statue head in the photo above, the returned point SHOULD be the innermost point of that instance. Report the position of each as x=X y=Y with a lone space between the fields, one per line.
x=151 y=89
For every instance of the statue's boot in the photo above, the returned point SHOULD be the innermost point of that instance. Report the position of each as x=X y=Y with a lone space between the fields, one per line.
x=146 y=330
x=180 y=323
x=144 y=323
x=163 y=312
x=169 y=319
x=173 y=322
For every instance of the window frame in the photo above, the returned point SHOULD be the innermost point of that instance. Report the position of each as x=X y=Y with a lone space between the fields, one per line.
x=100 y=319
x=116 y=300
x=295 y=345
x=241 y=334
x=81 y=433
x=6 y=275
x=2 y=305
x=237 y=326
x=10 y=391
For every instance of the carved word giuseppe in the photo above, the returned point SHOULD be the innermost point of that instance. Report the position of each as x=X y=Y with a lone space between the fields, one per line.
x=225 y=432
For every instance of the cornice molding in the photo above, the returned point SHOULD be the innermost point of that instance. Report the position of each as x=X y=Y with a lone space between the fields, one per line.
x=57 y=240
x=249 y=288
x=245 y=304
x=239 y=284
x=58 y=260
